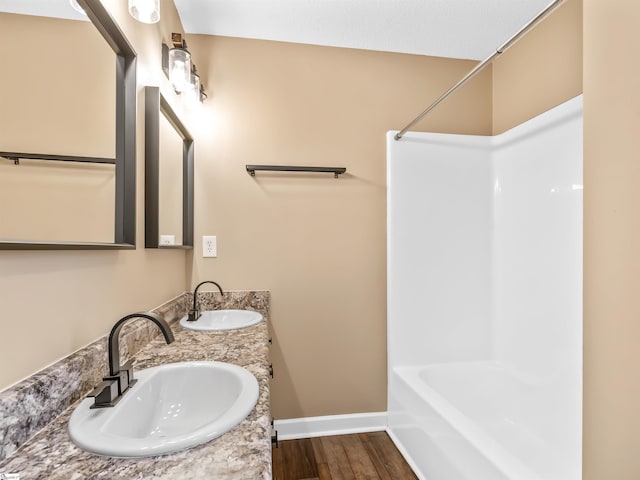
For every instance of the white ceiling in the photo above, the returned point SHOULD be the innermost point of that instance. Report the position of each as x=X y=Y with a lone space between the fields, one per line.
x=470 y=29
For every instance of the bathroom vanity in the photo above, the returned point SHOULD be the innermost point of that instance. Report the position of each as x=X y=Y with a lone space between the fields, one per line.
x=243 y=453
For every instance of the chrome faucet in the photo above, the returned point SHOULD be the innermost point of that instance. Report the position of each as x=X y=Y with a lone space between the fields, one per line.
x=120 y=378
x=194 y=313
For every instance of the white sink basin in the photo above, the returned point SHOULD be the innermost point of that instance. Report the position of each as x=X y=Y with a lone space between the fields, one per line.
x=172 y=407
x=223 y=320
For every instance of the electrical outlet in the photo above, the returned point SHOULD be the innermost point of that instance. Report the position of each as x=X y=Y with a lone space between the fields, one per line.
x=167 y=239
x=209 y=246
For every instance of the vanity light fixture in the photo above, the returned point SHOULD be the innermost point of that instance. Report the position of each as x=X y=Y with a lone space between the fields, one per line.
x=145 y=11
x=176 y=63
x=181 y=72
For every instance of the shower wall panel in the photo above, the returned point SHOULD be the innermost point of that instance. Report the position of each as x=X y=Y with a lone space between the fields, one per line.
x=537 y=249
x=439 y=234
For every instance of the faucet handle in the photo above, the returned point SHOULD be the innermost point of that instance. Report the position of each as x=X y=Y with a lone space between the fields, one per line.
x=105 y=394
x=121 y=380
x=128 y=368
x=123 y=377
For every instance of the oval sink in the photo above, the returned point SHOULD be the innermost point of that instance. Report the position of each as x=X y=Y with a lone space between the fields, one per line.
x=172 y=407
x=223 y=320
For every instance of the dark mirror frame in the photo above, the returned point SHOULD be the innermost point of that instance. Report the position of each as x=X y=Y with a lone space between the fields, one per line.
x=155 y=105
x=125 y=161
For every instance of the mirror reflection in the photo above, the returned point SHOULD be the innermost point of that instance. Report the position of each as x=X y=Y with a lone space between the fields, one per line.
x=58 y=99
x=57 y=201
x=168 y=175
x=170 y=184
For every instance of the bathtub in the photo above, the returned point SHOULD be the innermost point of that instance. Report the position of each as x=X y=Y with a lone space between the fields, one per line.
x=484 y=300
x=484 y=421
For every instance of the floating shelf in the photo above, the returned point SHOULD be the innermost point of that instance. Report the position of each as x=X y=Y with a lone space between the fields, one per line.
x=252 y=169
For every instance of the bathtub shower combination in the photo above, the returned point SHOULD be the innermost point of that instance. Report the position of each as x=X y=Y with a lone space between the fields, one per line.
x=485 y=300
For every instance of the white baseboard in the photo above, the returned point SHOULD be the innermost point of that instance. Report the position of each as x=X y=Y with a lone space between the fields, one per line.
x=309 y=427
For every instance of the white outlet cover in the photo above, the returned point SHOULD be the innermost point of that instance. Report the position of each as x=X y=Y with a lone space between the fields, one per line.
x=209 y=246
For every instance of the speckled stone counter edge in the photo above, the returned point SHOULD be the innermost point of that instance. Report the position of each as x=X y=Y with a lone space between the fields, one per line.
x=33 y=403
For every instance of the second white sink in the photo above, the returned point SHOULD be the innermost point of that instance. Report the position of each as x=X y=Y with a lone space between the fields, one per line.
x=223 y=320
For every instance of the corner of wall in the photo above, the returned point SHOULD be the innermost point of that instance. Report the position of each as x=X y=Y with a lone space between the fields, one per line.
x=541 y=71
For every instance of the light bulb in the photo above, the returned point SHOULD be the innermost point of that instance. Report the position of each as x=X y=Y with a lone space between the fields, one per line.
x=145 y=11
x=192 y=93
x=179 y=69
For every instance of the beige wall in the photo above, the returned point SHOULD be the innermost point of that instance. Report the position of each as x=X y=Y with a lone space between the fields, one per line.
x=52 y=303
x=317 y=243
x=611 y=240
x=59 y=97
x=541 y=71
x=57 y=201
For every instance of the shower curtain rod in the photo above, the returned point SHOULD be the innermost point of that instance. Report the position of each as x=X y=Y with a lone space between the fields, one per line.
x=478 y=68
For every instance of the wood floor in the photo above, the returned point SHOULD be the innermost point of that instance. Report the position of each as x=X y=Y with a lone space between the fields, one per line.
x=362 y=456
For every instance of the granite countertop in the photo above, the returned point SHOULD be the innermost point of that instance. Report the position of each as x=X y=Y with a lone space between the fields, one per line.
x=244 y=453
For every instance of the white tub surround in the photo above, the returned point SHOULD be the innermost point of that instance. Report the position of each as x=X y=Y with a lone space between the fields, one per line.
x=485 y=300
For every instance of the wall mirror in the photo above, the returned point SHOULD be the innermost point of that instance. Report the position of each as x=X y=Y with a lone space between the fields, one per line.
x=67 y=127
x=168 y=176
